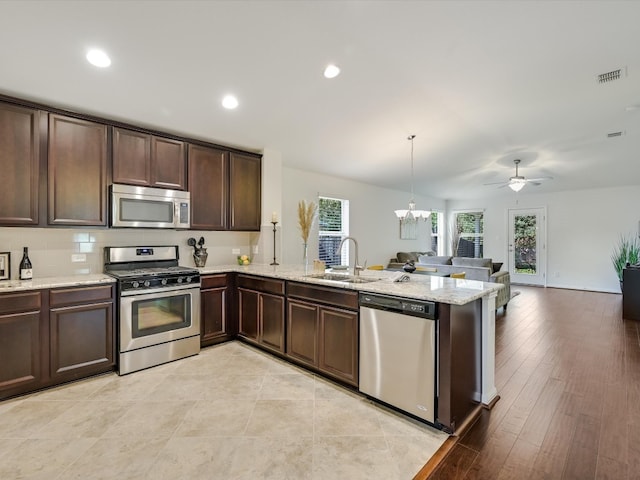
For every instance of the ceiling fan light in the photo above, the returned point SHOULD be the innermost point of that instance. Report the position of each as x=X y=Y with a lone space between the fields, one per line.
x=516 y=184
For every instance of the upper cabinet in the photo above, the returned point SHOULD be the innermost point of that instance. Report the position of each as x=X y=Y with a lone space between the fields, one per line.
x=225 y=189
x=244 y=187
x=77 y=172
x=22 y=154
x=208 y=185
x=148 y=160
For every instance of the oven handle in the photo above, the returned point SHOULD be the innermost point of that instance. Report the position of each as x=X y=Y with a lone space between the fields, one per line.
x=155 y=291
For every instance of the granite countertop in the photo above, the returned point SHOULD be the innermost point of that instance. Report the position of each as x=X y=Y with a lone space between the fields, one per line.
x=54 y=282
x=422 y=287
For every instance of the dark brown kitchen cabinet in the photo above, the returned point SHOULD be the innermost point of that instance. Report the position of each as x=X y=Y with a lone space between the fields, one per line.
x=225 y=189
x=81 y=331
x=322 y=329
x=244 y=190
x=148 y=160
x=77 y=172
x=23 y=350
x=261 y=312
x=22 y=159
x=208 y=185
x=216 y=323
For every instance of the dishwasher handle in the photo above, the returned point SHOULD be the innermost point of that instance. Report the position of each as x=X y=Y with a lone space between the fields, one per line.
x=416 y=308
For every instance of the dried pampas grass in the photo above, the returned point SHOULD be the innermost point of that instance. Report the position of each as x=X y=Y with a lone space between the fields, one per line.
x=306 y=217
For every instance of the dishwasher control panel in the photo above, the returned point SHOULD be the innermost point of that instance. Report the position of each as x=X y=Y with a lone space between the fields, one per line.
x=417 y=308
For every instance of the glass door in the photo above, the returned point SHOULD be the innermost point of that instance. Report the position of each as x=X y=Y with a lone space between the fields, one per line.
x=527 y=246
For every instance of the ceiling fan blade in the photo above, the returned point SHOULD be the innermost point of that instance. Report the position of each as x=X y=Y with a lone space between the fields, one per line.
x=539 y=179
x=504 y=184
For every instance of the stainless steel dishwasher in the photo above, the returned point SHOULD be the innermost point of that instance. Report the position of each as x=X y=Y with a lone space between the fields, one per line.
x=398 y=353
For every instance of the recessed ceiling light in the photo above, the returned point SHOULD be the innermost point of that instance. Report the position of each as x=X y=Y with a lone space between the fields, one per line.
x=331 y=71
x=229 y=102
x=98 y=58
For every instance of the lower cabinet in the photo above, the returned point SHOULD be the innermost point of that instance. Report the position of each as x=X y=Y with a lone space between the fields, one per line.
x=49 y=337
x=261 y=311
x=216 y=325
x=81 y=332
x=23 y=349
x=322 y=335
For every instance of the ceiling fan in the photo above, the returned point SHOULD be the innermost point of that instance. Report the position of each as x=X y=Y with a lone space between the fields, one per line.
x=517 y=182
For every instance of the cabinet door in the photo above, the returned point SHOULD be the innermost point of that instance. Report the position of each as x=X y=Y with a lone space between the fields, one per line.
x=272 y=321
x=339 y=344
x=209 y=187
x=21 y=353
x=81 y=341
x=248 y=313
x=244 y=187
x=167 y=163
x=302 y=332
x=131 y=157
x=20 y=163
x=214 y=313
x=77 y=172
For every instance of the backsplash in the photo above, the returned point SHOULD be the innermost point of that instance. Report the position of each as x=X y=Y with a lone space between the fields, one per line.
x=53 y=250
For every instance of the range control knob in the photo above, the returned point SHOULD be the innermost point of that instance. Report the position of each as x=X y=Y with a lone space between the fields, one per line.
x=179 y=279
x=188 y=279
x=147 y=283
x=135 y=284
x=164 y=281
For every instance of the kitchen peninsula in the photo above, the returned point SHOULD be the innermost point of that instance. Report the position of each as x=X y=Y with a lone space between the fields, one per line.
x=464 y=305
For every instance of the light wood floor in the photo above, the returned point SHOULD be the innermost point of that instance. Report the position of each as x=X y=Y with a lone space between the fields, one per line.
x=568 y=374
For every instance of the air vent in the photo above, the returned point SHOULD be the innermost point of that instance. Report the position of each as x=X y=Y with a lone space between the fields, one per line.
x=612 y=75
x=614 y=134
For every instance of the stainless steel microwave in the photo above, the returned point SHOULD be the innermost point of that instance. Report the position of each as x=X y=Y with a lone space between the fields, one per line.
x=144 y=207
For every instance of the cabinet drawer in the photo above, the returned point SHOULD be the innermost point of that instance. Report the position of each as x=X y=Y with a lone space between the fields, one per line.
x=331 y=296
x=268 y=285
x=213 y=281
x=20 y=302
x=75 y=296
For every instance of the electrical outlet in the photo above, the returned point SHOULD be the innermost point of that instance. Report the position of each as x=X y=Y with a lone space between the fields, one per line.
x=255 y=250
x=78 y=257
x=235 y=251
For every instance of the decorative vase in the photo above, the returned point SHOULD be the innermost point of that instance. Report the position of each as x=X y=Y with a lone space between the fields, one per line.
x=305 y=256
x=409 y=267
x=200 y=257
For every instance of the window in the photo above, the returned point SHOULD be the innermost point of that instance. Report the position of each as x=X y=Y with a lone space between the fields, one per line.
x=333 y=223
x=437 y=245
x=467 y=239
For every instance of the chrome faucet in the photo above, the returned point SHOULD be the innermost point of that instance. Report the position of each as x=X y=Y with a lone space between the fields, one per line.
x=356 y=267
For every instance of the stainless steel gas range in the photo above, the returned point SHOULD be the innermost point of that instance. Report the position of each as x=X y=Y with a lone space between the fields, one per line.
x=158 y=306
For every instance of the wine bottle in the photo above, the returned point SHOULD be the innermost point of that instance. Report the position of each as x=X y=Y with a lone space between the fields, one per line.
x=26 y=270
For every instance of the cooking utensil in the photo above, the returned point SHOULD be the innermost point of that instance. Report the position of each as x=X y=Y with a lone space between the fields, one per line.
x=201 y=242
x=191 y=242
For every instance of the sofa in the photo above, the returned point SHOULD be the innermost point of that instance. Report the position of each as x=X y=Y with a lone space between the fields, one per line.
x=482 y=269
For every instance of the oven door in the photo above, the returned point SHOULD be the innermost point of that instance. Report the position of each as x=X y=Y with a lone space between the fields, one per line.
x=164 y=315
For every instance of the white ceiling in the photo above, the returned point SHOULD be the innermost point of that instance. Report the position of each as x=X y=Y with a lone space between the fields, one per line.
x=479 y=83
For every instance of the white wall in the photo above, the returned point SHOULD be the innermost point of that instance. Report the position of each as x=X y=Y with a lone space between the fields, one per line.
x=582 y=228
x=372 y=221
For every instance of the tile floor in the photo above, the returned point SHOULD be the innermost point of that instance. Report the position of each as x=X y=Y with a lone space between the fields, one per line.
x=231 y=412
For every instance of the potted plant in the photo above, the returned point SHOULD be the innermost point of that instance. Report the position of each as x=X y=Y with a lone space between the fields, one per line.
x=627 y=250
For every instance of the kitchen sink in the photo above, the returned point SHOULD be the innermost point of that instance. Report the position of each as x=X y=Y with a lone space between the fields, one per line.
x=339 y=277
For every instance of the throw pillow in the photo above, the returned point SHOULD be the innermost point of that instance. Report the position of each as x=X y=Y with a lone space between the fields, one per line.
x=434 y=260
x=471 y=262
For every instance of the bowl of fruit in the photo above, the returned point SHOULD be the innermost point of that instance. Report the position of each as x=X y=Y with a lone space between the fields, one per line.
x=243 y=260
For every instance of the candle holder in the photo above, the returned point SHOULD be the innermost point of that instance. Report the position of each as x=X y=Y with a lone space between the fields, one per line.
x=274 y=244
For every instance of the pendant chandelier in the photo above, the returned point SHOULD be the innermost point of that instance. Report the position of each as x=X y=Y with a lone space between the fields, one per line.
x=412 y=215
